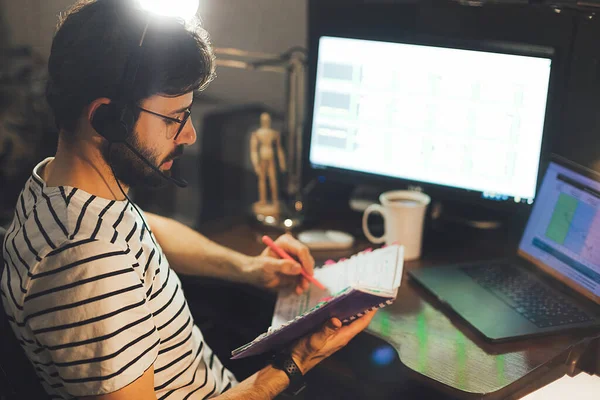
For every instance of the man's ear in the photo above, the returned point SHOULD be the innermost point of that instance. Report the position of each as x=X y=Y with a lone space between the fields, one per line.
x=93 y=106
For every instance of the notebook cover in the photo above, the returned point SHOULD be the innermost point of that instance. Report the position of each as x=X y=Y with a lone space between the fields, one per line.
x=343 y=307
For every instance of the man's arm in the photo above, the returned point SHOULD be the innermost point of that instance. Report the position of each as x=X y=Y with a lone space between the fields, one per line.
x=268 y=382
x=191 y=253
x=93 y=321
x=265 y=384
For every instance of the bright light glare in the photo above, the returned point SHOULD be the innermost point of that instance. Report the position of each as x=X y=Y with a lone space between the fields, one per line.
x=184 y=9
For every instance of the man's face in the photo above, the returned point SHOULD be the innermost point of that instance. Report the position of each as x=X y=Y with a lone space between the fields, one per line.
x=154 y=138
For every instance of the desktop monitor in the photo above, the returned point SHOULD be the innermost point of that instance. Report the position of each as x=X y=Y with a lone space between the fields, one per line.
x=459 y=119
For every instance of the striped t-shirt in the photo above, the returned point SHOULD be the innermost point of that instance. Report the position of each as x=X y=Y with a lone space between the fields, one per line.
x=94 y=303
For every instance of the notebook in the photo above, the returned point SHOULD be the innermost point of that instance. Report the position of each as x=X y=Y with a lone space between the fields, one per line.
x=366 y=281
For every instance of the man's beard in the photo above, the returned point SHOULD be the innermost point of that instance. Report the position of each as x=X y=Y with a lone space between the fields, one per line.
x=130 y=170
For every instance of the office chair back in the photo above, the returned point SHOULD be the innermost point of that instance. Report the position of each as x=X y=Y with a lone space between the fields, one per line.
x=18 y=379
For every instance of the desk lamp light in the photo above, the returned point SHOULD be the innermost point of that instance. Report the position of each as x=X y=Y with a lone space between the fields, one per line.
x=180 y=9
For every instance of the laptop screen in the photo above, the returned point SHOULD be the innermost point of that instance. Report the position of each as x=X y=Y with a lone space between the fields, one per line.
x=562 y=236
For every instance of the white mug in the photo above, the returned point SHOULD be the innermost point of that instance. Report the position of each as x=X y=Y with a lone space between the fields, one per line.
x=403 y=212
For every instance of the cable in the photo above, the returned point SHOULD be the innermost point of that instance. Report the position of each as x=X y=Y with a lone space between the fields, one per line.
x=123 y=191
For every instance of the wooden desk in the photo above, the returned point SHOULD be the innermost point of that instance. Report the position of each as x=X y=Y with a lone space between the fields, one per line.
x=436 y=345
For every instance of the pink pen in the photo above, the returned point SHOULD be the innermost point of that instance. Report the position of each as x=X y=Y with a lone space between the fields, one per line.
x=281 y=253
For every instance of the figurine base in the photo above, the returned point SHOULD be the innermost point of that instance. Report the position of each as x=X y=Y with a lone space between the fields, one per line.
x=266 y=209
x=275 y=216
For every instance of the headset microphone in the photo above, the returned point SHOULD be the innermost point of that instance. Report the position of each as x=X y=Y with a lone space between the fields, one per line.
x=182 y=183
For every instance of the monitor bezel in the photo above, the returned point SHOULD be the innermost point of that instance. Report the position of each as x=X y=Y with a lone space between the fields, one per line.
x=439 y=192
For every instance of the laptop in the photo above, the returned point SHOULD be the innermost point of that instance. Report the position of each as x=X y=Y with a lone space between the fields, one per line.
x=552 y=284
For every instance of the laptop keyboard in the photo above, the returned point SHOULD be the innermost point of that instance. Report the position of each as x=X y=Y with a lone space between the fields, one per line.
x=527 y=296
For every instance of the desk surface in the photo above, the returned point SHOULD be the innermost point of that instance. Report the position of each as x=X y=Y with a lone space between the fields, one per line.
x=436 y=344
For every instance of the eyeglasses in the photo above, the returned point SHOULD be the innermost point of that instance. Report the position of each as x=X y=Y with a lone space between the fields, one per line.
x=180 y=121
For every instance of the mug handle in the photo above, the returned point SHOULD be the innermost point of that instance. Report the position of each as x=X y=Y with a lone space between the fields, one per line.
x=373 y=208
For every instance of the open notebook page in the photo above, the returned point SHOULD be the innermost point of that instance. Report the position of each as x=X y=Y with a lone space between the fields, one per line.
x=377 y=269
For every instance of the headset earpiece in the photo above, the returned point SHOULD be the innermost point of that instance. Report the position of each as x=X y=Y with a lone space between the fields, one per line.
x=113 y=123
x=106 y=122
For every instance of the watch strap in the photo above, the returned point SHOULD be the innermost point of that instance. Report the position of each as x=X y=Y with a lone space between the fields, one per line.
x=286 y=363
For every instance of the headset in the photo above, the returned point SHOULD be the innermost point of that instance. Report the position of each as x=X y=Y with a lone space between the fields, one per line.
x=115 y=121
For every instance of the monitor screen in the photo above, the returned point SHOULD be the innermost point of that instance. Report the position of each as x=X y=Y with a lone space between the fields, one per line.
x=563 y=232
x=464 y=119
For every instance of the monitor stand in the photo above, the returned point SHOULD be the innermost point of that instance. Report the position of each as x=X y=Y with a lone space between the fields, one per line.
x=467 y=215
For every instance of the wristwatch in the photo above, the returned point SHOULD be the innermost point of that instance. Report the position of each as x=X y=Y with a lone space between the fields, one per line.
x=283 y=360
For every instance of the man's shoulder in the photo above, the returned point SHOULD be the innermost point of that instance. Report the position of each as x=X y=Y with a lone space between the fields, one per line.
x=40 y=223
x=76 y=214
x=80 y=261
x=70 y=261
x=53 y=220
x=76 y=250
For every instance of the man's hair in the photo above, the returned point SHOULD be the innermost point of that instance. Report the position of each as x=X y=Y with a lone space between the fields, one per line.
x=92 y=46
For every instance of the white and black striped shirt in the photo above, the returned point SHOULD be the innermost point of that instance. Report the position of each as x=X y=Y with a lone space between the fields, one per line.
x=94 y=303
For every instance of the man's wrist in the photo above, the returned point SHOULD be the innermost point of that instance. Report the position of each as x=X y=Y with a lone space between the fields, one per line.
x=303 y=357
x=240 y=267
x=301 y=363
x=278 y=381
x=285 y=362
x=249 y=270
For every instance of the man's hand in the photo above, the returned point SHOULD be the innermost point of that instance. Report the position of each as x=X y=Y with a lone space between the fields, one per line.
x=270 y=271
x=312 y=349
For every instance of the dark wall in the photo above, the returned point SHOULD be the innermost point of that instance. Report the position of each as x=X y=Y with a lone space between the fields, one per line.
x=579 y=138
